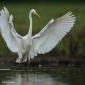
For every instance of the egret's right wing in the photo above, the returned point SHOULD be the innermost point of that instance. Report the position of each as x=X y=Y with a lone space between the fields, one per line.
x=11 y=37
x=51 y=34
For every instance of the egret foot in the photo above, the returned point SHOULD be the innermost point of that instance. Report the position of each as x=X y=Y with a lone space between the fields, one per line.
x=19 y=60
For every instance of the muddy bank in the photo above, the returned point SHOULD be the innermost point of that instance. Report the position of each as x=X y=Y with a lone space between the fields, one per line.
x=57 y=61
x=47 y=60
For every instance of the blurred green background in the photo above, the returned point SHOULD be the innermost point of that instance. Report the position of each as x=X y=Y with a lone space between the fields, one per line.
x=73 y=44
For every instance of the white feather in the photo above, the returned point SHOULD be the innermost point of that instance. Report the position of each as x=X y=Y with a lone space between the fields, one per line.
x=52 y=34
x=6 y=26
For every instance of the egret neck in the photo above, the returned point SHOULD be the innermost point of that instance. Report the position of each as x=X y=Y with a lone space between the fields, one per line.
x=30 y=27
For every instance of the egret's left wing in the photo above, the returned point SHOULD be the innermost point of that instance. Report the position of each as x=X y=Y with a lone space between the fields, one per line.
x=11 y=37
x=6 y=17
x=51 y=34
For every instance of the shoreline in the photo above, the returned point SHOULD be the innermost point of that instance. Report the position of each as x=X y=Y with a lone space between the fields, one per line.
x=47 y=60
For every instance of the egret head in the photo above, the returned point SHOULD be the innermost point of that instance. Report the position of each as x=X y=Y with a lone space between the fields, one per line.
x=34 y=12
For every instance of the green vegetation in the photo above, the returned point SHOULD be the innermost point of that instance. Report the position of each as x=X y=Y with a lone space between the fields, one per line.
x=73 y=44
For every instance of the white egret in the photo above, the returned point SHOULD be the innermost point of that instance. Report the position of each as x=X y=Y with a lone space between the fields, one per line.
x=29 y=46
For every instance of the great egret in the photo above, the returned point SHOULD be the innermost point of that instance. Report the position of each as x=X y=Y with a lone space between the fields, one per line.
x=43 y=42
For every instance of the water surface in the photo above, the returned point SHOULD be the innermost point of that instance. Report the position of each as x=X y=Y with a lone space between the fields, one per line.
x=59 y=76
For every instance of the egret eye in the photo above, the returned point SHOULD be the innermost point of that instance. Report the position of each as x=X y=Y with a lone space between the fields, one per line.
x=34 y=12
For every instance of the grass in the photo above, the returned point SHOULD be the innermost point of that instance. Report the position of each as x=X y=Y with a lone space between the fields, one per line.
x=72 y=44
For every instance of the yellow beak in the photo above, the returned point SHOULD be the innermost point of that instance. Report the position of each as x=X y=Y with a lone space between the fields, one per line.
x=37 y=14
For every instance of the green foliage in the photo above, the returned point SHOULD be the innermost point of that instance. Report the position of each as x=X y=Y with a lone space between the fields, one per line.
x=72 y=44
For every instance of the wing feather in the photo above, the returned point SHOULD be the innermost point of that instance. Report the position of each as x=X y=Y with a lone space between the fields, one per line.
x=51 y=34
x=11 y=37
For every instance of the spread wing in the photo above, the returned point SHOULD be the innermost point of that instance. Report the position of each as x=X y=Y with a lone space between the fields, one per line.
x=11 y=37
x=51 y=34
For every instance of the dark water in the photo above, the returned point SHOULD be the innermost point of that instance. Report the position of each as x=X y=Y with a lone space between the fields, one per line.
x=58 y=76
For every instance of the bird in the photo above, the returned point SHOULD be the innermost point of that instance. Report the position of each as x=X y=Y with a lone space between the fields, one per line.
x=28 y=46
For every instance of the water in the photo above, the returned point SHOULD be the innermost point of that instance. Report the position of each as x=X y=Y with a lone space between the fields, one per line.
x=59 y=76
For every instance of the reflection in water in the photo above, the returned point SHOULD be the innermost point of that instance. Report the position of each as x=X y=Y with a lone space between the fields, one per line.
x=42 y=79
x=61 y=76
x=21 y=79
x=25 y=78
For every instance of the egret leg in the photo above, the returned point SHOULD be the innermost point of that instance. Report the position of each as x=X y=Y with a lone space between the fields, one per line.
x=24 y=57
x=19 y=59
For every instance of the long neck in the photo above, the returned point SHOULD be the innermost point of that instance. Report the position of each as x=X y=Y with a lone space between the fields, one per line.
x=30 y=27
